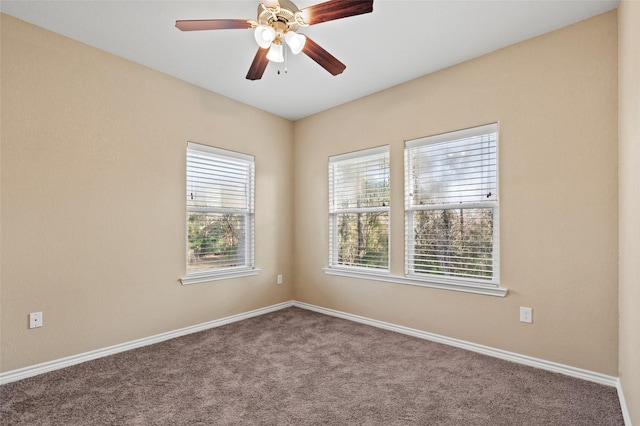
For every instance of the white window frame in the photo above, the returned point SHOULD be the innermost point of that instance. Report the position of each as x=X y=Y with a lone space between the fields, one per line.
x=248 y=268
x=334 y=211
x=482 y=288
x=410 y=209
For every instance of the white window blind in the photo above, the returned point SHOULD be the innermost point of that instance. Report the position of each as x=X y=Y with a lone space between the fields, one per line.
x=359 y=209
x=220 y=216
x=451 y=205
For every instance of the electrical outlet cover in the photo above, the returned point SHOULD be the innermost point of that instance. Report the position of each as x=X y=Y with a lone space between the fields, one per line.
x=35 y=319
x=526 y=314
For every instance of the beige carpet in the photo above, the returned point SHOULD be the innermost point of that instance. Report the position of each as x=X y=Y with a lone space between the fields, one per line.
x=295 y=367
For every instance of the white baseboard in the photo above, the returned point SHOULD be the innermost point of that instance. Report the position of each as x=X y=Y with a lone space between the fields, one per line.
x=45 y=367
x=474 y=347
x=623 y=404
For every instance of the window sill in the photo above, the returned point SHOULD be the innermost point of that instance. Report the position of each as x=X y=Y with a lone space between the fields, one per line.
x=488 y=290
x=201 y=277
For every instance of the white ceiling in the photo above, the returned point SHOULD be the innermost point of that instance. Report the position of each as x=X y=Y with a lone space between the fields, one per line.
x=399 y=41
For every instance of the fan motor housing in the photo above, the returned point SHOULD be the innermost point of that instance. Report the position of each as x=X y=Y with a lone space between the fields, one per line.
x=285 y=14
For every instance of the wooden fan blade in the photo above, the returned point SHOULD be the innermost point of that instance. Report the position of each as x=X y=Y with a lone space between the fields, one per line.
x=335 y=9
x=325 y=59
x=258 y=65
x=212 y=24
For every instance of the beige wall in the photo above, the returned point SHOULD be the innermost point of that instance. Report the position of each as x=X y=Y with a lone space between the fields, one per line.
x=629 y=152
x=93 y=198
x=555 y=98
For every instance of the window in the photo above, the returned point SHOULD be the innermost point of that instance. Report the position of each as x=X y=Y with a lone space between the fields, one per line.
x=451 y=206
x=220 y=193
x=359 y=210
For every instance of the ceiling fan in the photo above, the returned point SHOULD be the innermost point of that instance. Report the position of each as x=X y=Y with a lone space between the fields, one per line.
x=277 y=24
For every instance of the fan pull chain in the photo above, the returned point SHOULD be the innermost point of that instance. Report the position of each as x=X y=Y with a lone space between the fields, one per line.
x=286 y=58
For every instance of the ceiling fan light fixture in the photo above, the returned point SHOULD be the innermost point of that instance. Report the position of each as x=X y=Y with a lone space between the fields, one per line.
x=277 y=24
x=264 y=35
x=295 y=41
x=276 y=53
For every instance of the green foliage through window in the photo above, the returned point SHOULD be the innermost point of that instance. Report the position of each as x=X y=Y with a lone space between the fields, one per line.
x=363 y=239
x=214 y=240
x=454 y=242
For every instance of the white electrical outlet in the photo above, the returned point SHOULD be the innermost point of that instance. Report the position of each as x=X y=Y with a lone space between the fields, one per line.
x=279 y=279
x=526 y=314
x=35 y=319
